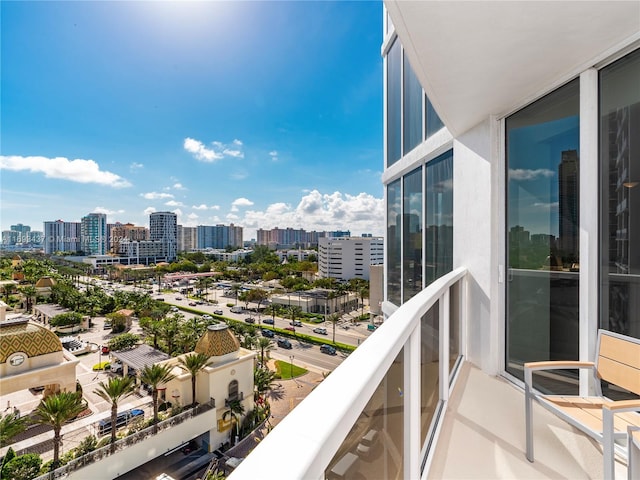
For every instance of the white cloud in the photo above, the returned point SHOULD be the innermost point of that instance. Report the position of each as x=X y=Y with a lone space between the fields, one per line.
x=205 y=207
x=362 y=213
x=178 y=186
x=192 y=216
x=155 y=195
x=174 y=203
x=240 y=202
x=241 y=175
x=78 y=170
x=218 y=152
x=149 y=210
x=274 y=155
x=178 y=212
x=135 y=166
x=525 y=174
x=107 y=211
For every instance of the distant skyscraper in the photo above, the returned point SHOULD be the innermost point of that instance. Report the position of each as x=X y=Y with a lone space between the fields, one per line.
x=219 y=236
x=94 y=234
x=187 y=238
x=163 y=227
x=61 y=236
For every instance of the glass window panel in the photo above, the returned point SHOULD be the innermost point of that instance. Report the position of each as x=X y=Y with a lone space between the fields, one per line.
x=439 y=217
x=543 y=230
x=454 y=325
x=394 y=103
x=433 y=123
x=412 y=114
x=394 y=246
x=429 y=368
x=373 y=447
x=412 y=237
x=620 y=186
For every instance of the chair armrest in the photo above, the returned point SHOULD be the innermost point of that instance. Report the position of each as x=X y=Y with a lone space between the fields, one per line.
x=623 y=406
x=556 y=365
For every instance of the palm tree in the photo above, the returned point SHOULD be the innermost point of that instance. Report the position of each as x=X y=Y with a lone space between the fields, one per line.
x=113 y=391
x=333 y=318
x=193 y=363
x=235 y=289
x=55 y=410
x=263 y=381
x=265 y=345
x=10 y=426
x=236 y=410
x=155 y=375
x=29 y=293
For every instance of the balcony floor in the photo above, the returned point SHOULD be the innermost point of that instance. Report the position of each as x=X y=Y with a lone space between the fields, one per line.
x=483 y=437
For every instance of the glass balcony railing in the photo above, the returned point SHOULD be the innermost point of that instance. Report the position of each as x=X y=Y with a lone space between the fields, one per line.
x=376 y=414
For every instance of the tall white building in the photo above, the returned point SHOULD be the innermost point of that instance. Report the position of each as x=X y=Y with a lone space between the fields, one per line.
x=163 y=227
x=512 y=193
x=187 y=238
x=344 y=258
x=60 y=236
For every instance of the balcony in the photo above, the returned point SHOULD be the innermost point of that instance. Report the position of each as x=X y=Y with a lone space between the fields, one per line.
x=405 y=404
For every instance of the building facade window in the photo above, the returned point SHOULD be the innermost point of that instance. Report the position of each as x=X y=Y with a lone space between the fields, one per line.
x=394 y=103
x=412 y=108
x=542 y=158
x=433 y=122
x=233 y=390
x=620 y=196
x=412 y=234
x=394 y=245
x=439 y=217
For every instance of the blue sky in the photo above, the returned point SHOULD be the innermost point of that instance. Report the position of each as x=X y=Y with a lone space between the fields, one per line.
x=260 y=114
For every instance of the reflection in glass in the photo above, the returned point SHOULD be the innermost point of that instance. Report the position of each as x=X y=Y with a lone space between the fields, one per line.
x=439 y=217
x=433 y=122
x=412 y=108
x=429 y=368
x=454 y=325
x=394 y=103
x=373 y=448
x=620 y=194
x=412 y=238
x=394 y=247
x=543 y=229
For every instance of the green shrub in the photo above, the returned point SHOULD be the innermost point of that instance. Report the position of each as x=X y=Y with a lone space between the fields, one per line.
x=24 y=466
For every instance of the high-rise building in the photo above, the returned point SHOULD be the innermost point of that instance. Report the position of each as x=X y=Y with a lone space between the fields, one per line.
x=219 y=236
x=119 y=232
x=345 y=258
x=187 y=238
x=163 y=227
x=60 y=236
x=93 y=231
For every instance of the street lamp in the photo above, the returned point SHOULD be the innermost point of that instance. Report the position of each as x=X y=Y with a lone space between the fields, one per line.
x=291 y=363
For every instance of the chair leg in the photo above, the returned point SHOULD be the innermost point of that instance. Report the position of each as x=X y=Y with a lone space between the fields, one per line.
x=528 y=414
x=608 y=454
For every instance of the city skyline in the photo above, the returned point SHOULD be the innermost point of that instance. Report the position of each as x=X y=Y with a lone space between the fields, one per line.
x=261 y=114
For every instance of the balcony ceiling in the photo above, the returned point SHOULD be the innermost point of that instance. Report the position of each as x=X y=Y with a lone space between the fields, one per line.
x=476 y=59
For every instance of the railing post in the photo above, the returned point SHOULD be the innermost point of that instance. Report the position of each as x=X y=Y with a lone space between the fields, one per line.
x=412 y=400
x=444 y=312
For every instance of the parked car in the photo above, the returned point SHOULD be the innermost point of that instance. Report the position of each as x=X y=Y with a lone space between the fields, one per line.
x=207 y=317
x=291 y=329
x=268 y=333
x=296 y=323
x=104 y=350
x=174 y=309
x=218 y=312
x=123 y=418
x=106 y=326
x=115 y=367
x=320 y=330
x=284 y=343
x=268 y=321
x=328 y=349
x=249 y=320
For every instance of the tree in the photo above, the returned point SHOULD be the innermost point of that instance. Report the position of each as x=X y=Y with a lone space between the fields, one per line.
x=235 y=411
x=334 y=318
x=118 y=322
x=55 y=410
x=193 y=363
x=113 y=391
x=30 y=293
x=152 y=328
x=69 y=319
x=265 y=346
x=155 y=375
x=235 y=289
x=263 y=381
x=23 y=466
x=123 y=341
x=10 y=426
